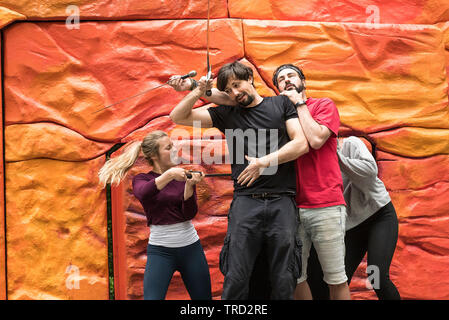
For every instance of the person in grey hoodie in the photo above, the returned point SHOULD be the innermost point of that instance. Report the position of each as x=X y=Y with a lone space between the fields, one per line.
x=371 y=225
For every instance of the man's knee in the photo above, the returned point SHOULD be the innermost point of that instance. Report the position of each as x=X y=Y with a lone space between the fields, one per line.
x=283 y=288
x=235 y=289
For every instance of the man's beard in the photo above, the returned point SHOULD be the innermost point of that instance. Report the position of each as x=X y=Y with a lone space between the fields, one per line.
x=293 y=87
x=249 y=99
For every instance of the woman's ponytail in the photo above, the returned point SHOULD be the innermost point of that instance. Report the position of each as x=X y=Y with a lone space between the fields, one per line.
x=114 y=170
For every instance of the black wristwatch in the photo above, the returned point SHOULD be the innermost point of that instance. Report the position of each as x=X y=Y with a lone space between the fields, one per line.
x=194 y=84
x=297 y=104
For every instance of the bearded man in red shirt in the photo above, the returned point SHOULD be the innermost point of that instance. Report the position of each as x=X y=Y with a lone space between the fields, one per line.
x=320 y=187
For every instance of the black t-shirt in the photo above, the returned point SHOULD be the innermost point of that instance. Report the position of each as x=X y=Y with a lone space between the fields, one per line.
x=256 y=132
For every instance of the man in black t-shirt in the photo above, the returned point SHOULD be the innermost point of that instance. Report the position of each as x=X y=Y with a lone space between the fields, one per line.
x=263 y=211
x=260 y=131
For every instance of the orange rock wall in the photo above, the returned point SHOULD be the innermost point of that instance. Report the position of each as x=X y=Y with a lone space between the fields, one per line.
x=384 y=64
x=2 y=223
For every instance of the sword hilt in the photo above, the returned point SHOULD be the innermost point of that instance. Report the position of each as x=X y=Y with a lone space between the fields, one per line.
x=208 y=76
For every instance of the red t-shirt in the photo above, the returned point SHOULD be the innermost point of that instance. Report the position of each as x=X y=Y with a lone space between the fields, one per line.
x=318 y=177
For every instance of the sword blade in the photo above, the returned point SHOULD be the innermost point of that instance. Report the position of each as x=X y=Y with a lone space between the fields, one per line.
x=209 y=69
x=218 y=175
x=126 y=99
x=207 y=44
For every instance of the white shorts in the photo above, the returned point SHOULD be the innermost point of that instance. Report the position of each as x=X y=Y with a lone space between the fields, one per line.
x=325 y=228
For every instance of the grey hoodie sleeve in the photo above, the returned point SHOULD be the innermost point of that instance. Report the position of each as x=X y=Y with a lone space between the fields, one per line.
x=356 y=162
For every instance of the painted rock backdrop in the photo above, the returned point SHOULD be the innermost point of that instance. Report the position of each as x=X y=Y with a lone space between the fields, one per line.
x=62 y=236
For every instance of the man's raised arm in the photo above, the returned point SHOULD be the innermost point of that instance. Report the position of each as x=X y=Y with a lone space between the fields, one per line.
x=184 y=113
x=218 y=97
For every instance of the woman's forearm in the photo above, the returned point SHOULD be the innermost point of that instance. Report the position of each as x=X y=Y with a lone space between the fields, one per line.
x=188 y=191
x=163 y=180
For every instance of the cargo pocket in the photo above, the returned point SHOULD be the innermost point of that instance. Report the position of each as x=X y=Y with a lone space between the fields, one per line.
x=296 y=259
x=224 y=255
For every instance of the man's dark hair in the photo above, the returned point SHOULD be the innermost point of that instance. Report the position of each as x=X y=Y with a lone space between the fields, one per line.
x=235 y=70
x=287 y=66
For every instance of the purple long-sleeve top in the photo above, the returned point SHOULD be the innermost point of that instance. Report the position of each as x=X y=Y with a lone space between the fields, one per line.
x=166 y=206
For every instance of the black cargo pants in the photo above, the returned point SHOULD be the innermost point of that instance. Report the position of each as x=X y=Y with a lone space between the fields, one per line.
x=271 y=222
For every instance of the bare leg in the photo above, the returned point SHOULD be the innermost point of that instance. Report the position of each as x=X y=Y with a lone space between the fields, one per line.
x=302 y=291
x=339 y=291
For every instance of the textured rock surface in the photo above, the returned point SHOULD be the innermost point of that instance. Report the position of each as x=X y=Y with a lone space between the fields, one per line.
x=56 y=230
x=417 y=188
x=389 y=80
x=116 y=9
x=413 y=142
x=47 y=140
x=2 y=218
x=65 y=78
x=7 y=16
x=354 y=64
x=369 y=11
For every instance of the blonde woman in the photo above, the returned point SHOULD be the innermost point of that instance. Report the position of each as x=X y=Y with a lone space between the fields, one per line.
x=168 y=198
